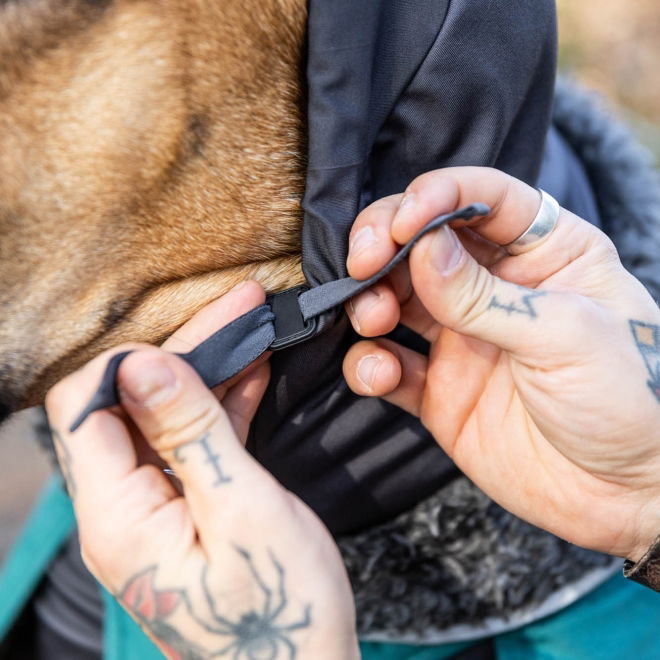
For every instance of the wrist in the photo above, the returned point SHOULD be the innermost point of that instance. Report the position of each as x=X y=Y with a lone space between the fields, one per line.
x=647 y=530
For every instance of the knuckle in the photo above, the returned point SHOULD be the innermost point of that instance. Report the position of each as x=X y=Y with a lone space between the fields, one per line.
x=375 y=215
x=603 y=247
x=280 y=505
x=505 y=192
x=578 y=311
x=188 y=421
x=431 y=180
x=473 y=295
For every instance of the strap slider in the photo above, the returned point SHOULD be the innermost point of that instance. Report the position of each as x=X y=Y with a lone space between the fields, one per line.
x=290 y=327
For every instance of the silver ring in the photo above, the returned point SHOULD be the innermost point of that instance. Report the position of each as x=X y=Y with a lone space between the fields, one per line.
x=542 y=225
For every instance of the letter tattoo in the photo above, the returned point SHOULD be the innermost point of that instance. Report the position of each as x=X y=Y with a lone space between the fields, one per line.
x=523 y=306
x=647 y=338
x=212 y=458
x=65 y=460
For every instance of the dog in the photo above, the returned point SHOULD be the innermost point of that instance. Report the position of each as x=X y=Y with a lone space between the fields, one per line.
x=152 y=155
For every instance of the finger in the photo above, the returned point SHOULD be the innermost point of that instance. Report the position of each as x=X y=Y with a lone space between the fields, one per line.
x=217 y=314
x=385 y=369
x=462 y=295
x=105 y=432
x=236 y=302
x=378 y=311
x=101 y=466
x=370 y=243
x=374 y=311
x=243 y=399
x=484 y=251
x=81 y=457
x=416 y=317
x=513 y=205
x=184 y=422
x=413 y=313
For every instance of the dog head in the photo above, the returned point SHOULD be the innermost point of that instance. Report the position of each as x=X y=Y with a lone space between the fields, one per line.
x=150 y=158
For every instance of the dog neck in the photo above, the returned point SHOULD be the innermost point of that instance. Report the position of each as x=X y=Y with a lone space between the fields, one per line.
x=151 y=157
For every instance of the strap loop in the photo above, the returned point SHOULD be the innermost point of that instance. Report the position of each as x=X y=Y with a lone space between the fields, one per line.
x=290 y=327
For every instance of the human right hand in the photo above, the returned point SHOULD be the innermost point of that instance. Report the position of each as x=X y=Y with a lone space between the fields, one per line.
x=543 y=379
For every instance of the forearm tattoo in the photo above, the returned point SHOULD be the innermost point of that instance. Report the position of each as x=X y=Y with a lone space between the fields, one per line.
x=521 y=306
x=255 y=634
x=212 y=458
x=65 y=460
x=647 y=338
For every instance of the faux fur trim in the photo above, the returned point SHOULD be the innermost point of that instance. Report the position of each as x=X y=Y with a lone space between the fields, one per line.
x=458 y=566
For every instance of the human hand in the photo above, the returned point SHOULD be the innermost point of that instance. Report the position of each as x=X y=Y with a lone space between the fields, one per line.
x=237 y=565
x=543 y=378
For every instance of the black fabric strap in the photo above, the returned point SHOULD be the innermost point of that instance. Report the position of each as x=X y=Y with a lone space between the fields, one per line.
x=331 y=294
x=234 y=347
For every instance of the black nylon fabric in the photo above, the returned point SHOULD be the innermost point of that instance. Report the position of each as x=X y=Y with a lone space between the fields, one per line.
x=395 y=89
x=361 y=56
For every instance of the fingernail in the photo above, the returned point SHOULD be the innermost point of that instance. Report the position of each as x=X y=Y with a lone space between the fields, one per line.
x=407 y=208
x=366 y=370
x=446 y=251
x=406 y=205
x=154 y=384
x=361 y=304
x=362 y=240
x=408 y=202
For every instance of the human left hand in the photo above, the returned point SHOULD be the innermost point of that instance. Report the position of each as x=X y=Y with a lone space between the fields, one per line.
x=235 y=565
x=542 y=380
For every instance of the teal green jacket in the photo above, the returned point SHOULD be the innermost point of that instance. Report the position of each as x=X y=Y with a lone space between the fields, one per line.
x=617 y=620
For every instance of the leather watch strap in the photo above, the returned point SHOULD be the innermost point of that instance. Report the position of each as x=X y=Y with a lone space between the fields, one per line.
x=647 y=570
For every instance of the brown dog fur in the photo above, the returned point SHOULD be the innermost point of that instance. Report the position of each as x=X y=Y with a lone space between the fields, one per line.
x=150 y=158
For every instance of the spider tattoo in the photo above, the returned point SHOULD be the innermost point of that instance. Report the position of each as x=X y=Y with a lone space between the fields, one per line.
x=256 y=635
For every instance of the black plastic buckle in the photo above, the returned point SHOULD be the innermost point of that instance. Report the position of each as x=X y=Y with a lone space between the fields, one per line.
x=290 y=328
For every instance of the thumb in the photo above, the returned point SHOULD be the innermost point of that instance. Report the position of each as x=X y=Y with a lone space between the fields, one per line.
x=167 y=400
x=181 y=420
x=464 y=296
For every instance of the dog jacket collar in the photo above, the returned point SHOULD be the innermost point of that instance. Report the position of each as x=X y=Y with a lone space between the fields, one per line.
x=288 y=318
